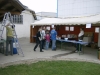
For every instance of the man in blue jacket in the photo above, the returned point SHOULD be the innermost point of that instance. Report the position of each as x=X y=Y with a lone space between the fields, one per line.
x=53 y=38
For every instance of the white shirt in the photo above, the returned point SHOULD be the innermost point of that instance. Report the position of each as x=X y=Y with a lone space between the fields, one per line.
x=81 y=33
x=43 y=33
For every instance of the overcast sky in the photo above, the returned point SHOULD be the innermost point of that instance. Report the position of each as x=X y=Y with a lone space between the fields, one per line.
x=41 y=5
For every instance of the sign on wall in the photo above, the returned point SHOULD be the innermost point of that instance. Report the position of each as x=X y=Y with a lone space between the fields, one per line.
x=71 y=28
x=48 y=28
x=96 y=29
x=52 y=26
x=88 y=25
x=67 y=28
x=32 y=26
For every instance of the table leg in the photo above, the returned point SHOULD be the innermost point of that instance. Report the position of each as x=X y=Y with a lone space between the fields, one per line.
x=61 y=45
x=83 y=49
x=3 y=48
x=79 y=49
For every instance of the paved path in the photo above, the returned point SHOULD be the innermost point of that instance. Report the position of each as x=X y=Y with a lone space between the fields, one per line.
x=30 y=56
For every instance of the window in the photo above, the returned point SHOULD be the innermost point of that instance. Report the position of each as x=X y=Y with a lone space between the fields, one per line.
x=18 y=19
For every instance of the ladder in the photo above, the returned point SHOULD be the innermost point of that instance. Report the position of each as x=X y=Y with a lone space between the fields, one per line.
x=8 y=17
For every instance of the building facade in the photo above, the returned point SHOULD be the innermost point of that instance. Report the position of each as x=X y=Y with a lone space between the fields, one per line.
x=41 y=15
x=77 y=8
x=23 y=29
x=22 y=24
x=21 y=14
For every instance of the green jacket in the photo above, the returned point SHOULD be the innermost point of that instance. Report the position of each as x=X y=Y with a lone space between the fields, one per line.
x=9 y=31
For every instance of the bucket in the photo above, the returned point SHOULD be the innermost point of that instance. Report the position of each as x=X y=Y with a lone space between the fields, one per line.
x=14 y=51
x=14 y=47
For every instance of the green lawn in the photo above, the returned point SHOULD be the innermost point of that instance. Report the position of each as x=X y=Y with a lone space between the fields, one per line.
x=53 y=68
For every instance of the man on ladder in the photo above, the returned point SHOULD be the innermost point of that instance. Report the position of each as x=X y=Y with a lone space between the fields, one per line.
x=9 y=39
x=11 y=34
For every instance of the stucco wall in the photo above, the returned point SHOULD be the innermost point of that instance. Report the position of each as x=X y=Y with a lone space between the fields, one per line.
x=23 y=30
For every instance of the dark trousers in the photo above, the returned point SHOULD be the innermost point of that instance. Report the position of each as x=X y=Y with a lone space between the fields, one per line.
x=43 y=43
x=78 y=48
x=38 y=43
x=9 y=41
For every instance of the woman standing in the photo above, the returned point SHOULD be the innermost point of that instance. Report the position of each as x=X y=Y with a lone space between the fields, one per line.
x=39 y=40
x=47 y=38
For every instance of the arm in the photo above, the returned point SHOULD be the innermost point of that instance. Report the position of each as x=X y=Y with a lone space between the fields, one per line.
x=7 y=27
x=81 y=34
x=50 y=32
x=56 y=33
x=39 y=36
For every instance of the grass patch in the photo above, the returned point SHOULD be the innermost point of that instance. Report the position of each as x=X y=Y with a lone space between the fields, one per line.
x=53 y=68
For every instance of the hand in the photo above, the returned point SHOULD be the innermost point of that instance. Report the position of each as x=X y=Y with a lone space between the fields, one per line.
x=40 y=39
x=8 y=24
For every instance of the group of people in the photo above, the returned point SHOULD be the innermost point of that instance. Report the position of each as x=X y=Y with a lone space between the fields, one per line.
x=43 y=38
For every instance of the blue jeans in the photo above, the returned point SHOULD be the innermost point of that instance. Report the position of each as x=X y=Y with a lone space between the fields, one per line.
x=9 y=41
x=46 y=45
x=53 y=44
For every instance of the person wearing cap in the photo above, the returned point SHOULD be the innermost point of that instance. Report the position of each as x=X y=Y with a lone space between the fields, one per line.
x=9 y=34
x=53 y=34
x=38 y=40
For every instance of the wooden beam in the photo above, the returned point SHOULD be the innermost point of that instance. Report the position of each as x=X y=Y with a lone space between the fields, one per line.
x=15 y=5
x=1 y=15
x=15 y=9
x=3 y=3
x=10 y=8
x=12 y=12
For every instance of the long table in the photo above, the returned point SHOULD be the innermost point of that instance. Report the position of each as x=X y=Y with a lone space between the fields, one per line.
x=73 y=41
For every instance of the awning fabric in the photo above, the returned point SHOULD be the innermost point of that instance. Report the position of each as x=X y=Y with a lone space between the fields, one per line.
x=94 y=19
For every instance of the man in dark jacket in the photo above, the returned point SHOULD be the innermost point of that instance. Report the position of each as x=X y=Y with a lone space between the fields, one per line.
x=39 y=40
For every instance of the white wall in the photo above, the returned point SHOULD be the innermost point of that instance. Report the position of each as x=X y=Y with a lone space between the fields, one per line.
x=42 y=15
x=76 y=8
x=23 y=30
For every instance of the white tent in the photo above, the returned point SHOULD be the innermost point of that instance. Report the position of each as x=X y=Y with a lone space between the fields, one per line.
x=47 y=21
x=69 y=21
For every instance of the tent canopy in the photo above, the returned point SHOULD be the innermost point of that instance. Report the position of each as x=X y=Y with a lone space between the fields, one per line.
x=94 y=19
